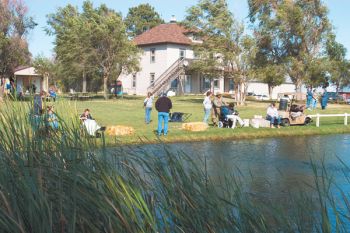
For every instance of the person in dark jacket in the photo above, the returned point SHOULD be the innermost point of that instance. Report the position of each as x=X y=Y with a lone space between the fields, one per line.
x=163 y=106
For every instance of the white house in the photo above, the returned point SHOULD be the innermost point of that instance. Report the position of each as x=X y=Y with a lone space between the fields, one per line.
x=166 y=53
x=26 y=78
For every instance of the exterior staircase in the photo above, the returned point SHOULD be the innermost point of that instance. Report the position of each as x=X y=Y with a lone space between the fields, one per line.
x=162 y=82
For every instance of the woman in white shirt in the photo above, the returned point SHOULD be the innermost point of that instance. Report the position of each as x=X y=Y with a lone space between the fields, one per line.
x=207 y=106
x=148 y=104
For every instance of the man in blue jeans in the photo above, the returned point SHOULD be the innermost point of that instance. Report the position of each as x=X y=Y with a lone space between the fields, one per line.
x=163 y=106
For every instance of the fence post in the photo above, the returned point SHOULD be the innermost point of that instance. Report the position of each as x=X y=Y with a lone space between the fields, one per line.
x=345 y=119
x=318 y=120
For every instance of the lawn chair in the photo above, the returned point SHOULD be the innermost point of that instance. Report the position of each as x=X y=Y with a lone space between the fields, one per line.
x=179 y=116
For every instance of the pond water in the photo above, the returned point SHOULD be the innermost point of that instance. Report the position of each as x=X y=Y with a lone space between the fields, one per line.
x=271 y=166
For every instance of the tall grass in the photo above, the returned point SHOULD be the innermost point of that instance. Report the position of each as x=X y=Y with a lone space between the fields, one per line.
x=60 y=181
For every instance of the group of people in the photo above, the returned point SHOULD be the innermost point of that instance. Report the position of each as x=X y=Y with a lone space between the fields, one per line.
x=214 y=106
x=312 y=98
x=50 y=119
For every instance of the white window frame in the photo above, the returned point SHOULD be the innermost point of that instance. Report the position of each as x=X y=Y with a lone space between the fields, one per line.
x=152 y=78
x=153 y=55
x=184 y=53
x=133 y=81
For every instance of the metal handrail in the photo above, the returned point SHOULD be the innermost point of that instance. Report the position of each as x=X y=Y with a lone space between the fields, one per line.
x=165 y=75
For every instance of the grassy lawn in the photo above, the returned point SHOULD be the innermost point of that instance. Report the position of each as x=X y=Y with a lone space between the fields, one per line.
x=129 y=111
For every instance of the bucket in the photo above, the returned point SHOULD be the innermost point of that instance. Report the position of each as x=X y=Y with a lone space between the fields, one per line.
x=255 y=123
x=283 y=105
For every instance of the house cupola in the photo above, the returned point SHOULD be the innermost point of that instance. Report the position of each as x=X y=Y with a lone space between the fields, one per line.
x=173 y=19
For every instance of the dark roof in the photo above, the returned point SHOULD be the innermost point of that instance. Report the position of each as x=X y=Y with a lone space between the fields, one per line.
x=164 y=33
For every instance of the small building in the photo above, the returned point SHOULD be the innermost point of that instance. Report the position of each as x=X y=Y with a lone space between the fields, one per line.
x=29 y=81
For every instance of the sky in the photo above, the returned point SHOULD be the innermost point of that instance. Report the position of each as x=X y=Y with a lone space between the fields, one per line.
x=42 y=44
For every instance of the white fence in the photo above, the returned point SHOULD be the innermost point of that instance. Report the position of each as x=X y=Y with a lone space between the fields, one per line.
x=318 y=116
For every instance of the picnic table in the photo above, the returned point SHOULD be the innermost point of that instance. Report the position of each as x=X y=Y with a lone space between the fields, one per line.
x=79 y=96
x=84 y=96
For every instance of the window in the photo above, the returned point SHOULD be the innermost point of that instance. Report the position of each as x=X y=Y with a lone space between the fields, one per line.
x=152 y=77
x=153 y=55
x=133 y=84
x=216 y=83
x=182 y=53
x=231 y=84
x=206 y=83
x=174 y=83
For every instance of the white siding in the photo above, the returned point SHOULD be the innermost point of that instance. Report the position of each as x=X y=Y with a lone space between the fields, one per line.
x=262 y=89
x=166 y=55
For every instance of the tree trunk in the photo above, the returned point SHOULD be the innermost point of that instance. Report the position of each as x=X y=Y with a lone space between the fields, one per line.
x=298 y=85
x=245 y=89
x=84 y=81
x=270 y=90
x=241 y=94
x=105 y=86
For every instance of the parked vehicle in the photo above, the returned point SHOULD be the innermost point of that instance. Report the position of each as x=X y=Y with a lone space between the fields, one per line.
x=292 y=114
x=262 y=97
x=333 y=96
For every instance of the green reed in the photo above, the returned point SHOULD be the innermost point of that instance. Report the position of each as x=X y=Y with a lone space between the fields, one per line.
x=61 y=181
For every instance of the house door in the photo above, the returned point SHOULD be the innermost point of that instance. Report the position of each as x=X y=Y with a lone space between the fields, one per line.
x=188 y=82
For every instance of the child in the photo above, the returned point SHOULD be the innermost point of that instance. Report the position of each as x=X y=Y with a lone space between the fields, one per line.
x=51 y=118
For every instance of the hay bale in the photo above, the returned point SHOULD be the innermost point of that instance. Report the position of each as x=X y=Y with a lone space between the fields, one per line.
x=119 y=130
x=195 y=126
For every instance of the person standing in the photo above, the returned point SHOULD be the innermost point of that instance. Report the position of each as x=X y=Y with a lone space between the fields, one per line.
x=217 y=104
x=147 y=104
x=309 y=98
x=324 y=99
x=207 y=106
x=314 y=99
x=163 y=106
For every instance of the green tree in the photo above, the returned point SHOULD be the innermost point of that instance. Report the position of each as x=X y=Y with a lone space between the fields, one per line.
x=141 y=18
x=297 y=31
x=14 y=26
x=94 y=41
x=74 y=51
x=273 y=75
x=45 y=67
x=226 y=50
x=339 y=67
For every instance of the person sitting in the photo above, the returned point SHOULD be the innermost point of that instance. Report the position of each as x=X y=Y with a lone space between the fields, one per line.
x=273 y=116
x=91 y=125
x=233 y=116
x=52 y=94
x=51 y=118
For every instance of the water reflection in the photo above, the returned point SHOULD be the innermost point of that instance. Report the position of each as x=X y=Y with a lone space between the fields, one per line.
x=272 y=165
